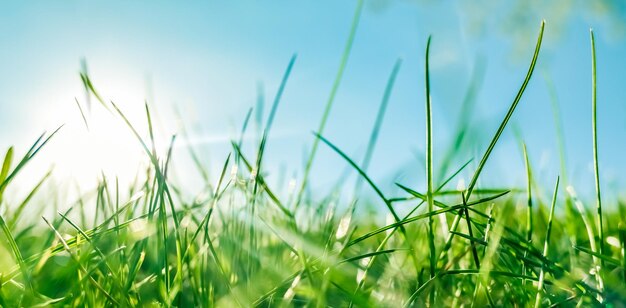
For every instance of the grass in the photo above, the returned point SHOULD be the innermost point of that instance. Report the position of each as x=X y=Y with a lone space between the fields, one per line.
x=244 y=242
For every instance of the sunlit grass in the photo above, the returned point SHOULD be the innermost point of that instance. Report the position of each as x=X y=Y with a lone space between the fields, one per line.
x=243 y=242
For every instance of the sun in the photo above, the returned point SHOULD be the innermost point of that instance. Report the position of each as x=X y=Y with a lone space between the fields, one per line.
x=99 y=146
x=95 y=143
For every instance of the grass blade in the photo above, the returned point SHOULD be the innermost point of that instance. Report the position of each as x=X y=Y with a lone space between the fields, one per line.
x=546 y=245
x=331 y=98
x=594 y=124
x=429 y=172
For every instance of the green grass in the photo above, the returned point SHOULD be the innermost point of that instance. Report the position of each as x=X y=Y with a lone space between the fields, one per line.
x=243 y=242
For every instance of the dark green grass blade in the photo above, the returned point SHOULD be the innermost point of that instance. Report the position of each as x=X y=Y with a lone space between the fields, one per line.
x=429 y=171
x=494 y=140
x=597 y=255
x=370 y=254
x=441 y=204
x=423 y=216
x=365 y=177
x=594 y=123
x=507 y=117
x=266 y=132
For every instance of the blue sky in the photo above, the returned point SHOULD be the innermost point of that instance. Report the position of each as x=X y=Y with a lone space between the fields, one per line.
x=207 y=59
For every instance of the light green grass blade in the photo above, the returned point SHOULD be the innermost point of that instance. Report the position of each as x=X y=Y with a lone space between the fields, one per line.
x=367 y=179
x=331 y=99
x=380 y=116
x=546 y=246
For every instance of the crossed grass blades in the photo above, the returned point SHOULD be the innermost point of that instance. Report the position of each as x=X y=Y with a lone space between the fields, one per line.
x=245 y=243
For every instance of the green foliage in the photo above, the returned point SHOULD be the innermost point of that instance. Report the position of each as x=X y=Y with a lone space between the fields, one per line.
x=245 y=243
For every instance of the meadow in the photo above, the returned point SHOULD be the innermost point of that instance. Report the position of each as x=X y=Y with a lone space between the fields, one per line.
x=242 y=242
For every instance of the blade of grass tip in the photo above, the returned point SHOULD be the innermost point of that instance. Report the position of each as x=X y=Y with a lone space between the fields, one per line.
x=268 y=126
x=279 y=94
x=6 y=178
x=84 y=77
x=6 y=164
x=45 y=141
x=150 y=128
x=260 y=105
x=6 y=167
x=380 y=116
x=270 y=119
x=82 y=114
x=205 y=221
x=594 y=124
x=507 y=117
x=84 y=71
x=244 y=128
x=153 y=159
x=38 y=145
x=18 y=212
x=494 y=140
x=429 y=173
x=546 y=245
x=331 y=99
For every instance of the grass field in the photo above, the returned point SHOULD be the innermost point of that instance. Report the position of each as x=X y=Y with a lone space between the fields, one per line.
x=245 y=243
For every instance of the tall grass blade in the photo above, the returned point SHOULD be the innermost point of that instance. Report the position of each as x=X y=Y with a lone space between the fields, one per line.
x=331 y=98
x=546 y=246
x=594 y=123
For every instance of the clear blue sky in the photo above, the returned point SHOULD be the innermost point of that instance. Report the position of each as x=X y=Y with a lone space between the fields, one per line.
x=207 y=58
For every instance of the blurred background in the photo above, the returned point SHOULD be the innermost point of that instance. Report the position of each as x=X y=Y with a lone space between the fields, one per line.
x=201 y=65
